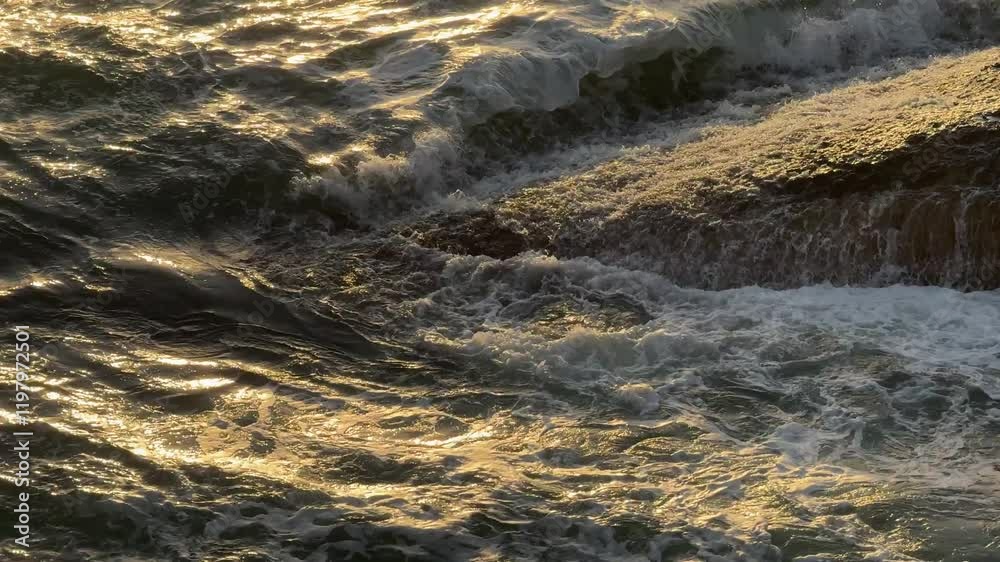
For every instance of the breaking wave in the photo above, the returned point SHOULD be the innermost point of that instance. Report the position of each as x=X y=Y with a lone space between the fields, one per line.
x=546 y=79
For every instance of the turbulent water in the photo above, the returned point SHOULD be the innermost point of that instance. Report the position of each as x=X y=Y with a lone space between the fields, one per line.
x=471 y=280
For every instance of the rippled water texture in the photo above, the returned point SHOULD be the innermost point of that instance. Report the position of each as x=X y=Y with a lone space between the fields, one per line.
x=564 y=280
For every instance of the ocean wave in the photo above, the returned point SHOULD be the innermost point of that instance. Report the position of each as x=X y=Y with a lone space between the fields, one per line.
x=234 y=357
x=423 y=105
x=571 y=75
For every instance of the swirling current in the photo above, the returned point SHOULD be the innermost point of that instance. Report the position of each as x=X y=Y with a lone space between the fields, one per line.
x=482 y=280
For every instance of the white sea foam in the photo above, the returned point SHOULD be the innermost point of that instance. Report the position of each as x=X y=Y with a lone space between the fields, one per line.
x=754 y=338
x=928 y=326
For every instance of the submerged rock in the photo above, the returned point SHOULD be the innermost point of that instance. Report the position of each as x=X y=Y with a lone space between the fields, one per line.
x=878 y=183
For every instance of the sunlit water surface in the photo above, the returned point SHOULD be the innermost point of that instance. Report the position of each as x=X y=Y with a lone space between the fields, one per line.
x=242 y=355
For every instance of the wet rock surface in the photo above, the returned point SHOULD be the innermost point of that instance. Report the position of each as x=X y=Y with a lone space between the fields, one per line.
x=888 y=182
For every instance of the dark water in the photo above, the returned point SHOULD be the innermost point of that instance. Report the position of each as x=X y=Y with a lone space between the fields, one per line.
x=477 y=280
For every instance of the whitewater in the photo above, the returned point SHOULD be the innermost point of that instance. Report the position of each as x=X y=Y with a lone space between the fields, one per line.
x=539 y=280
